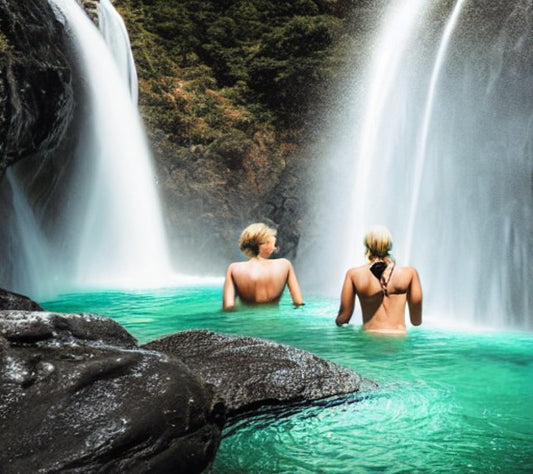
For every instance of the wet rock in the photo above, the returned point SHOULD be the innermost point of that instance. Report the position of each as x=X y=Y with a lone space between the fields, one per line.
x=78 y=395
x=250 y=372
x=36 y=95
x=10 y=300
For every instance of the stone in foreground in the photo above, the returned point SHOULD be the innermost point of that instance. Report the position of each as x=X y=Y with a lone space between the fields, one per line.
x=78 y=395
x=10 y=300
x=251 y=372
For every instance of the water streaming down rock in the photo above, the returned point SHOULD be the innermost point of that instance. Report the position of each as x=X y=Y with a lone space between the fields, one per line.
x=26 y=242
x=440 y=151
x=89 y=214
x=122 y=238
x=91 y=219
x=116 y=37
x=422 y=138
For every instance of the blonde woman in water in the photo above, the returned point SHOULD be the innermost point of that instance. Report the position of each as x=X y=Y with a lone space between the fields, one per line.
x=383 y=289
x=259 y=280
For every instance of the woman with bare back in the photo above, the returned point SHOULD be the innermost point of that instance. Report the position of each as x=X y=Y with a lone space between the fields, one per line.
x=383 y=289
x=259 y=280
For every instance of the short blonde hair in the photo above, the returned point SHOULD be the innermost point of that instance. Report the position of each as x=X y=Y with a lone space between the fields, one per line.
x=253 y=236
x=378 y=242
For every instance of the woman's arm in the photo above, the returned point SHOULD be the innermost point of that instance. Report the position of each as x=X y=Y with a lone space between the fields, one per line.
x=228 y=295
x=294 y=287
x=414 y=300
x=347 y=301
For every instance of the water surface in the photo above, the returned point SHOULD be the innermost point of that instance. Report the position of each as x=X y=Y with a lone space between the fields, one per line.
x=449 y=401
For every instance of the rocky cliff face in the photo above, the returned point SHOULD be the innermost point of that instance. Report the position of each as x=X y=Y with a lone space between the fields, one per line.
x=36 y=99
x=209 y=199
x=91 y=7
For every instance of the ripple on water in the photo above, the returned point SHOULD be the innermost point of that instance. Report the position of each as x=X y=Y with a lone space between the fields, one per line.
x=447 y=402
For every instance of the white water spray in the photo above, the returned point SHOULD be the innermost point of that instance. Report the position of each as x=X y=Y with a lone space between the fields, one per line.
x=33 y=258
x=426 y=120
x=443 y=156
x=398 y=28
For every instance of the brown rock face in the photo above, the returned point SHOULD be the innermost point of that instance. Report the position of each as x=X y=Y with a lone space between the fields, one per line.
x=91 y=7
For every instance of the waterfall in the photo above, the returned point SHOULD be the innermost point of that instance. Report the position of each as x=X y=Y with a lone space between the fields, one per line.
x=116 y=37
x=26 y=241
x=439 y=149
x=91 y=219
x=121 y=239
x=383 y=98
x=428 y=108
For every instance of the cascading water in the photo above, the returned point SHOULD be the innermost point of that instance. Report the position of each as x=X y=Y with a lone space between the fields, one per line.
x=424 y=129
x=440 y=151
x=121 y=238
x=94 y=220
x=116 y=37
x=33 y=258
x=89 y=217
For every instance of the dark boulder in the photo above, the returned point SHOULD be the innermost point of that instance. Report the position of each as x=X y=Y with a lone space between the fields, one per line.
x=78 y=395
x=251 y=372
x=10 y=300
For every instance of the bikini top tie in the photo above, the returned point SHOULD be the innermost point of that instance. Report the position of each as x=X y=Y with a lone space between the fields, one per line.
x=378 y=270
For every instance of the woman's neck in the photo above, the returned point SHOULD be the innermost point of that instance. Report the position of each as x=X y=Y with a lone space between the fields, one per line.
x=374 y=258
x=260 y=257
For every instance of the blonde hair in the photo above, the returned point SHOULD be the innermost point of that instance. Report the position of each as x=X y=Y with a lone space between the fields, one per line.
x=378 y=242
x=253 y=236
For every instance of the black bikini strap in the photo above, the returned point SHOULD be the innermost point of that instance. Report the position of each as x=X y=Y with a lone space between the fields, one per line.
x=385 y=281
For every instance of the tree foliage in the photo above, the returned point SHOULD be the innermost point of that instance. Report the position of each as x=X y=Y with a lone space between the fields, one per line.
x=266 y=56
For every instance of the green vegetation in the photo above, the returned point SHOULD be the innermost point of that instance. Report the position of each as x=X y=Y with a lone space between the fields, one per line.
x=212 y=68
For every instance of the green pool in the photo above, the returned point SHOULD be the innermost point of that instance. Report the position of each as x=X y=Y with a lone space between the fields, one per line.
x=449 y=401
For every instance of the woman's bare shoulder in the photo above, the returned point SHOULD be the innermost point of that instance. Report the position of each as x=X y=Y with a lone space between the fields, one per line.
x=357 y=270
x=407 y=271
x=237 y=265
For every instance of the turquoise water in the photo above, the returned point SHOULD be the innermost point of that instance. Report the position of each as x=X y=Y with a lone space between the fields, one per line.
x=448 y=401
